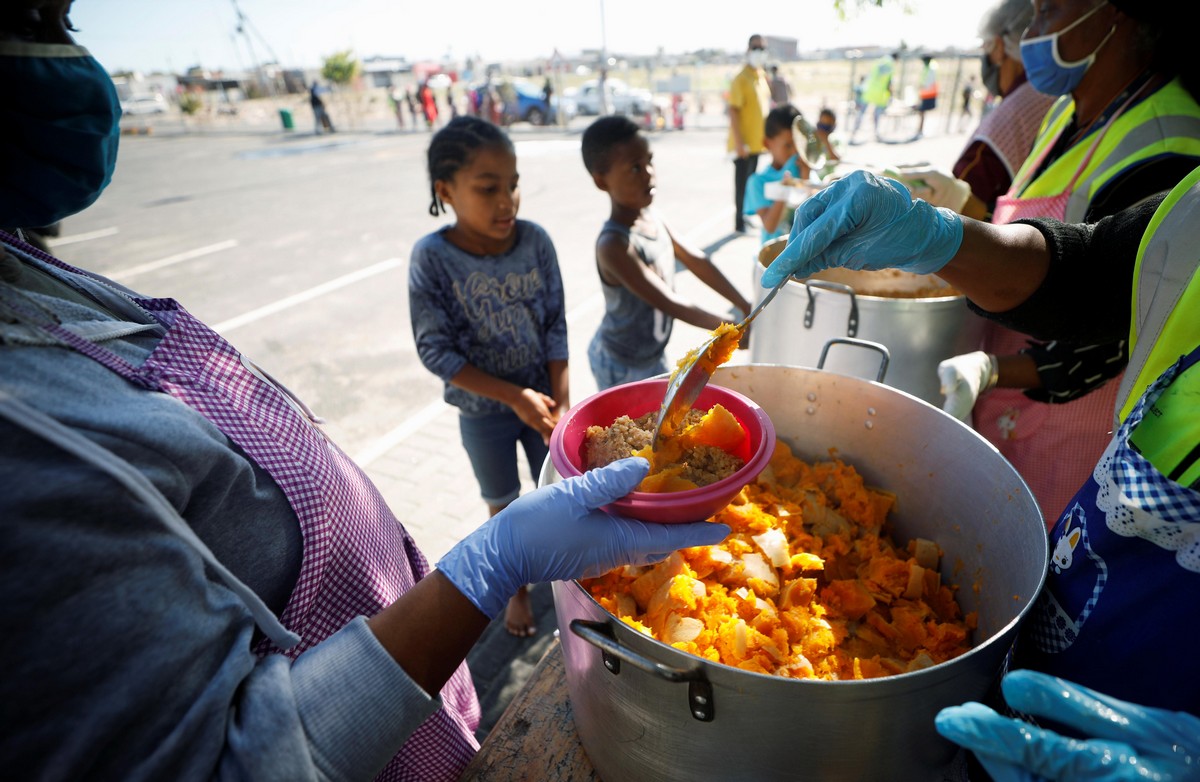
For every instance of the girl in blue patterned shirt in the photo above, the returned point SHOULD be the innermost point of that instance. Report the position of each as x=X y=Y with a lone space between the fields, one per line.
x=488 y=315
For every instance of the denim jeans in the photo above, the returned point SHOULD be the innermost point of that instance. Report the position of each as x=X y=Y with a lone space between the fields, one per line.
x=491 y=442
x=610 y=371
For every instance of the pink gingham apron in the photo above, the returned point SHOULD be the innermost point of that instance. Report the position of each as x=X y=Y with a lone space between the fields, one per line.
x=358 y=558
x=1053 y=447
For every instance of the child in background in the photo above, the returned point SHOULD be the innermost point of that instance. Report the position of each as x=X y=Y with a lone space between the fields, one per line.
x=826 y=124
x=489 y=317
x=635 y=257
x=776 y=216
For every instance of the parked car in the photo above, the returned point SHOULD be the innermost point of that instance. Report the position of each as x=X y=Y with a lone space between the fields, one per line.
x=622 y=99
x=529 y=106
x=144 y=104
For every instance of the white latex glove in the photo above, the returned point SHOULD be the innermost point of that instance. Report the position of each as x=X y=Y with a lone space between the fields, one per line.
x=963 y=379
x=937 y=188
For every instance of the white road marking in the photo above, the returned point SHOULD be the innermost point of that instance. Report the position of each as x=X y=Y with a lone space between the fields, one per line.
x=171 y=260
x=398 y=435
x=299 y=298
x=59 y=241
x=413 y=423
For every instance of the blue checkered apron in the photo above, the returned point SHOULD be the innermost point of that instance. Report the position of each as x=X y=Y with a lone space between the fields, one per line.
x=1121 y=609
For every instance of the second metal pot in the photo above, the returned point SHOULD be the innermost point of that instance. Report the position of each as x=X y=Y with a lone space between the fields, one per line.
x=919 y=319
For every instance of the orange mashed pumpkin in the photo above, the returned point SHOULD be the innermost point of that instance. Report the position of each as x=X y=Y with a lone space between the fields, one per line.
x=808 y=585
x=713 y=439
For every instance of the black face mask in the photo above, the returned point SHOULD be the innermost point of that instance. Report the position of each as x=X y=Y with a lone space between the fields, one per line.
x=990 y=73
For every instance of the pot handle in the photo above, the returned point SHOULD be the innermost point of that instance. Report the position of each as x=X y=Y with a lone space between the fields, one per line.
x=884 y=355
x=836 y=287
x=600 y=635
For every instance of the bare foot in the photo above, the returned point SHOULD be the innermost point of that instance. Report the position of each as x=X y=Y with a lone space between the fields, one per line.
x=518 y=616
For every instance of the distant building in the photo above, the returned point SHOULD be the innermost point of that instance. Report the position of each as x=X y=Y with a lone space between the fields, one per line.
x=379 y=71
x=782 y=49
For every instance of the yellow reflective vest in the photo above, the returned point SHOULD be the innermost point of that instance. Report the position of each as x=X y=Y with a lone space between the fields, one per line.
x=1167 y=122
x=1165 y=325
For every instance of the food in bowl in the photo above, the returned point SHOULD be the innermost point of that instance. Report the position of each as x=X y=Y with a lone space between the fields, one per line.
x=808 y=585
x=701 y=453
x=568 y=447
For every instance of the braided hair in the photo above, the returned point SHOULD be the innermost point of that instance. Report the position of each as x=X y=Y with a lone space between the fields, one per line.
x=452 y=148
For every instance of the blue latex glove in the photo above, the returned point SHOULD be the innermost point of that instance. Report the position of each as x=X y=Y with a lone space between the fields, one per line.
x=557 y=533
x=863 y=221
x=1130 y=742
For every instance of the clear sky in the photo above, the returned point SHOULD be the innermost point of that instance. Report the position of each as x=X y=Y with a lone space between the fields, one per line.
x=151 y=35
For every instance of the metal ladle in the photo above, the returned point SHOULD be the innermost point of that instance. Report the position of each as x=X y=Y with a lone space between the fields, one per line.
x=691 y=376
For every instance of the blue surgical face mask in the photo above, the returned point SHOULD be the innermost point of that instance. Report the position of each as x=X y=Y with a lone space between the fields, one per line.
x=1046 y=71
x=60 y=118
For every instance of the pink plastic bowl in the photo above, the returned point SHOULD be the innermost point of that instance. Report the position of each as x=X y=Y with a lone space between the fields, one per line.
x=568 y=451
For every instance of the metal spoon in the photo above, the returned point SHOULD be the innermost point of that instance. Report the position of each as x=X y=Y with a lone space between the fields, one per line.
x=690 y=378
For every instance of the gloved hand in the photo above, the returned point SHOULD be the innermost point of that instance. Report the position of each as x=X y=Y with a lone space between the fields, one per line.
x=557 y=533
x=863 y=221
x=1130 y=742
x=936 y=187
x=963 y=379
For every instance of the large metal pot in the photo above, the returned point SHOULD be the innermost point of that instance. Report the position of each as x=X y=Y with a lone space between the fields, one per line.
x=918 y=318
x=647 y=711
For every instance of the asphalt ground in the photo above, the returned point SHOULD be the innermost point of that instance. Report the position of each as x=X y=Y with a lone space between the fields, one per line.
x=295 y=248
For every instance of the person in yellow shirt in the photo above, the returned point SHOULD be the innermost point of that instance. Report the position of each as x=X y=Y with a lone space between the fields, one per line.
x=749 y=101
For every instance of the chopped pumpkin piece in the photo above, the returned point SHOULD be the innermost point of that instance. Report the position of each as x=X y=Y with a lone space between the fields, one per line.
x=807 y=585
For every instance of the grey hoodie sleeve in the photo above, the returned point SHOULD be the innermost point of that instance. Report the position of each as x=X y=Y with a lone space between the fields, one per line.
x=125 y=658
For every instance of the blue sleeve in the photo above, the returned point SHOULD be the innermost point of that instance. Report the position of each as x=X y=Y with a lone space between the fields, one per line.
x=434 y=329
x=755 y=197
x=123 y=659
x=556 y=307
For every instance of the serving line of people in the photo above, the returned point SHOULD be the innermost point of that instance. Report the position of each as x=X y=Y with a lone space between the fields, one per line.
x=202 y=585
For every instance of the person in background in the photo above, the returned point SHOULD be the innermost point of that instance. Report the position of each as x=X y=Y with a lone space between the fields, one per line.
x=396 y=101
x=781 y=90
x=1125 y=567
x=547 y=95
x=877 y=91
x=860 y=101
x=1126 y=126
x=749 y=101
x=1004 y=139
x=635 y=258
x=776 y=215
x=320 y=114
x=201 y=584
x=488 y=316
x=411 y=102
x=927 y=91
x=968 y=96
x=428 y=103
x=826 y=125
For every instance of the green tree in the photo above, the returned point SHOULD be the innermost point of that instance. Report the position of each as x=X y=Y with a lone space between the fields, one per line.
x=341 y=67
